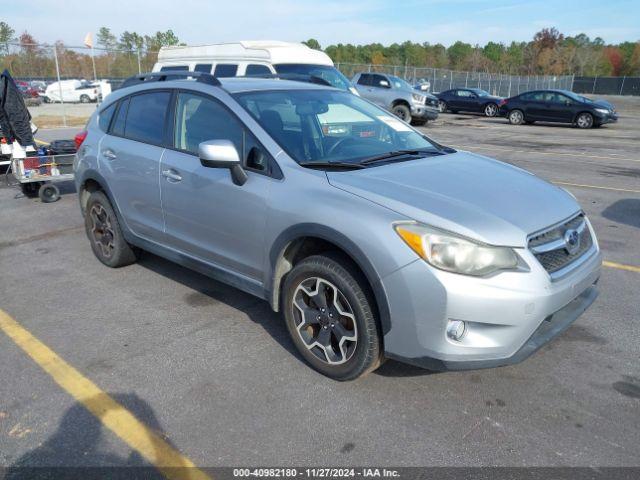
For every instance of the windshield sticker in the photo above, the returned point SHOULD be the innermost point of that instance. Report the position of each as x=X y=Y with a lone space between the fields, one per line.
x=394 y=123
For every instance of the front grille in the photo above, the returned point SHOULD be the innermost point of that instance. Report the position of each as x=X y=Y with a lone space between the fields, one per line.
x=551 y=250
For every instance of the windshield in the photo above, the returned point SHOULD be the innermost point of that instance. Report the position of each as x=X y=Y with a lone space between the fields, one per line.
x=331 y=126
x=400 y=83
x=573 y=96
x=330 y=74
x=480 y=93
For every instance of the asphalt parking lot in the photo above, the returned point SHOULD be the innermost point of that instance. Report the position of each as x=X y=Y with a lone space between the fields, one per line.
x=212 y=372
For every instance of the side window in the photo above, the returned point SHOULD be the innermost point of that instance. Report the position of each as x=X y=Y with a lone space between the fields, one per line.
x=464 y=93
x=146 y=117
x=225 y=70
x=117 y=128
x=105 y=116
x=203 y=67
x=365 y=79
x=175 y=68
x=255 y=69
x=380 y=81
x=199 y=119
x=538 y=97
x=526 y=97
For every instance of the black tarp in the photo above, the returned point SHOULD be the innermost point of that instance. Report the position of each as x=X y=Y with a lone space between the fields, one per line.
x=15 y=119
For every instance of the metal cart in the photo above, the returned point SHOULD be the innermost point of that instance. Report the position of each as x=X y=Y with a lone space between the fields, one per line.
x=38 y=174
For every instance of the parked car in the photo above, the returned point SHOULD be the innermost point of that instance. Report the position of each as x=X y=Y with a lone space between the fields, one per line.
x=72 y=91
x=372 y=240
x=560 y=106
x=423 y=85
x=247 y=58
x=397 y=96
x=469 y=100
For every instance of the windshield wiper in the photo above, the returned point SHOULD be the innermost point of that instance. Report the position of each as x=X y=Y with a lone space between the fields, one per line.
x=398 y=153
x=341 y=165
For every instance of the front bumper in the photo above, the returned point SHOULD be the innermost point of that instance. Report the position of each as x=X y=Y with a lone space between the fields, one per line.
x=608 y=118
x=508 y=316
x=424 y=112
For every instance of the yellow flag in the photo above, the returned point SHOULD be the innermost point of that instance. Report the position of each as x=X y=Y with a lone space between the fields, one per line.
x=88 y=40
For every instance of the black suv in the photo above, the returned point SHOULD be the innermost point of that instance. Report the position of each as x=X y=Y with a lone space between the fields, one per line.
x=557 y=106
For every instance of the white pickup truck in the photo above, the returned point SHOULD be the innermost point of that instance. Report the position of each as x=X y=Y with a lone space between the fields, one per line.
x=74 y=91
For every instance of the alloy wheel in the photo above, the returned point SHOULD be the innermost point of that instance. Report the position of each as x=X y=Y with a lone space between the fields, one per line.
x=325 y=321
x=491 y=110
x=516 y=117
x=585 y=120
x=101 y=230
x=442 y=106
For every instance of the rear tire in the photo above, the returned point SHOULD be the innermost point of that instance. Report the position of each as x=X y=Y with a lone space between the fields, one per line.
x=104 y=233
x=584 y=120
x=402 y=112
x=491 y=110
x=442 y=106
x=331 y=317
x=516 y=117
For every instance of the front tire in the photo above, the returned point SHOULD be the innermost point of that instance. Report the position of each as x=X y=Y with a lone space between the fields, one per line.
x=584 y=120
x=516 y=117
x=331 y=317
x=402 y=112
x=104 y=233
x=84 y=99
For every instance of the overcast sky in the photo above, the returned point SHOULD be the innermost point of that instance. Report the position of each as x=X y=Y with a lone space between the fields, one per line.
x=329 y=21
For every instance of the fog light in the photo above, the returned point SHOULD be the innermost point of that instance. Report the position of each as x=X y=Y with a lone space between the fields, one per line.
x=456 y=329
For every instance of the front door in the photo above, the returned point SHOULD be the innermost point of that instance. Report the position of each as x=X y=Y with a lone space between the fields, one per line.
x=129 y=159
x=207 y=215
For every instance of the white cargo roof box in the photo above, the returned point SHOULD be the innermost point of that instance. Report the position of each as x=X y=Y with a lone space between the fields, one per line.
x=269 y=51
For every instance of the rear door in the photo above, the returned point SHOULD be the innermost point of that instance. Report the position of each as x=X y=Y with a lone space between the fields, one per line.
x=536 y=106
x=207 y=215
x=130 y=160
x=380 y=90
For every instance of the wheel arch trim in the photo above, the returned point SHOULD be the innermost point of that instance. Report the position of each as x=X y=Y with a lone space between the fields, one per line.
x=279 y=265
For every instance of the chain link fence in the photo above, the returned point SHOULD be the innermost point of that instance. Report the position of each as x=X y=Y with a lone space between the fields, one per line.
x=607 y=85
x=503 y=85
x=41 y=71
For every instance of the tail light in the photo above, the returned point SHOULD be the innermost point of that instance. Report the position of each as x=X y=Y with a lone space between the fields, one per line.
x=79 y=138
x=502 y=102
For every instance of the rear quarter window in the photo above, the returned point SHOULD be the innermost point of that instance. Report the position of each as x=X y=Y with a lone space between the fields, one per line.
x=105 y=116
x=119 y=121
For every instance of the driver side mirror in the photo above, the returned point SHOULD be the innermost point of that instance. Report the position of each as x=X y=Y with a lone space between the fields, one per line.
x=222 y=154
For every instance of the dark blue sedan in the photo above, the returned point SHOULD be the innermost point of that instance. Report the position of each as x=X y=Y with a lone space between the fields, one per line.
x=468 y=100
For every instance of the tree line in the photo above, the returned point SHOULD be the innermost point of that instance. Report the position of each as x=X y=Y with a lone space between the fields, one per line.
x=548 y=53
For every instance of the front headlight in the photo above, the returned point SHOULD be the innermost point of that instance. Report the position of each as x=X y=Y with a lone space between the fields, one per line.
x=453 y=253
x=418 y=98
x=603 y=111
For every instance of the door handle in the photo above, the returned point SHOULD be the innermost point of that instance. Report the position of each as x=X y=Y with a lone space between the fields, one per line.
x=109 y=154
x=171 y=175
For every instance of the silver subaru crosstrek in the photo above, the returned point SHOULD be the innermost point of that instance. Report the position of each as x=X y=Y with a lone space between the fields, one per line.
x=373 y=240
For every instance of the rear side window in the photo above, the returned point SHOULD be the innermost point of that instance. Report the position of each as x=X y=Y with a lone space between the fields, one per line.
x=365 y=79
x=225 y=70
x=255 y=69
x=203 y=67
x=105 y=116
x=175 y=68
x=146 y=117
x=118 y=123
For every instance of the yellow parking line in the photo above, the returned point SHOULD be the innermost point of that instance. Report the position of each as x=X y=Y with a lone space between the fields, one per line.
x=114 y=416
x=563 y=154
x=621 y=266
x=630 y=190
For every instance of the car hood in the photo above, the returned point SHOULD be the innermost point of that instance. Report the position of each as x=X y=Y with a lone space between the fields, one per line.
x=603 y=104
x=463 y=192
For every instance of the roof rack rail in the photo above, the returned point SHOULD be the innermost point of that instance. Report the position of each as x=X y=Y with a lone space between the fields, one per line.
x=297 y=77
x=202 y=77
